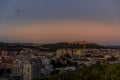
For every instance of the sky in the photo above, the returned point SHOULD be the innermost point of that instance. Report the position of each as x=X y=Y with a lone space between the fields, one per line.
x=44 y=21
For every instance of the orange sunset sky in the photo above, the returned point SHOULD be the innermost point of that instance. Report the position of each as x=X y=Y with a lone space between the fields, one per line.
x=55 y=31
x=46 y=21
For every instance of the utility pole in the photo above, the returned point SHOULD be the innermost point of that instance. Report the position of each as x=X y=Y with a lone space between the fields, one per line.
x=84 y=47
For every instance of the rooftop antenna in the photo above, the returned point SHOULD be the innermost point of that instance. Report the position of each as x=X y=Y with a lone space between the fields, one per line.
x=84 y=47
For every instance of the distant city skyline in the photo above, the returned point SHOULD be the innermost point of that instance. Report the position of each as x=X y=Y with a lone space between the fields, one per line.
x=44 y=21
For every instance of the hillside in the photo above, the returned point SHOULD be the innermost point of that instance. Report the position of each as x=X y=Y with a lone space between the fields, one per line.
x=65 y=45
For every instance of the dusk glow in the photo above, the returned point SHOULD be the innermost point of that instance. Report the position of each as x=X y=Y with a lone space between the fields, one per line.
x=54 y=21
x=63 y=31
x=59 y=39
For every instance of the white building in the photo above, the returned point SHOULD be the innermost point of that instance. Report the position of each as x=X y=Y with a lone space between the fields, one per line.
x=26 y=68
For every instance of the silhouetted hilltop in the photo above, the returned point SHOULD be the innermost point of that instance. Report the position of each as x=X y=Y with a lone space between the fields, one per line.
x=64 y=45
x=16 y=46
x=52 y=46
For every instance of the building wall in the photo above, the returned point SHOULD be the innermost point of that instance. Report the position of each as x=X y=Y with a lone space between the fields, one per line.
x=27 y=71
